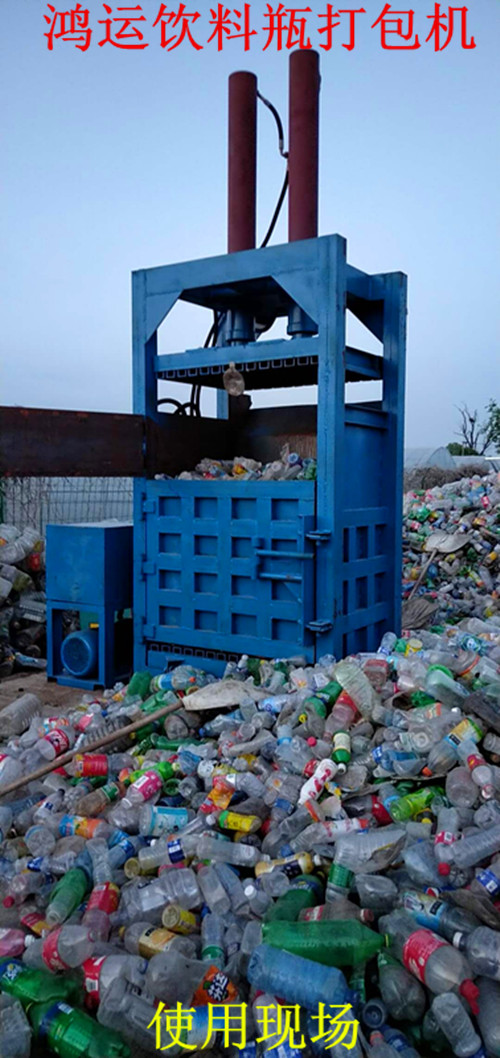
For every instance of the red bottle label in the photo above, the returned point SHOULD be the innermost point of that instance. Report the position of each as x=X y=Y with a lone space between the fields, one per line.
x=418 y=950
x=92 y=764
x=92 y=971
x=59 y=740
x=50 y=954
x=104 y=897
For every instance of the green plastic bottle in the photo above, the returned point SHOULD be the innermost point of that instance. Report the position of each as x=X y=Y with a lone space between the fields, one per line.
x=329 y=693
x=139 y=685
x=357 y=982
x=408 y=806
x=316 y=704
x=66 y=896
x=164 y=769
x=36 y=986
x=172 y=744
x=335 y=943
x=71 y=1033
x=305 y=891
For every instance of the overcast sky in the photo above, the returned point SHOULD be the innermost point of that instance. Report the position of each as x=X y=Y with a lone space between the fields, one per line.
x=115 y=160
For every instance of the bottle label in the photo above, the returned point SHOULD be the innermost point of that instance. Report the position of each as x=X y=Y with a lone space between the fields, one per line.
x=50 y=954
x=167 y=820
x=10 y=970
x=175 y=852
x=342 y=740
x=426 y=910
x=59 y=740
x=153 y=941
x=464 y=730
x=214 y=988
x=92 y=971
x=148 y=784
x=50 y=1015
x=79 y=825
x=489 y=881
x=91 y=764
x=104 y=897
x=445 y=837
x=184 y=921
x=34 y=921
x=418 y=949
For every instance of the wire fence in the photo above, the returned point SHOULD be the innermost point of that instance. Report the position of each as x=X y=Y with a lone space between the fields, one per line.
x=37 y=502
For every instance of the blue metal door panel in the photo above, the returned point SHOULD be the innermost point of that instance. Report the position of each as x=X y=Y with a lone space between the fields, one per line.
x=230 y=566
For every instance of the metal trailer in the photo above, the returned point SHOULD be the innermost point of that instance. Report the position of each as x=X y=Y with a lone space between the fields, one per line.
x=278 y=568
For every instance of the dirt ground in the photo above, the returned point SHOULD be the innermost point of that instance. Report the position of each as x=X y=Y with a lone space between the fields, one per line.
x=55 y=699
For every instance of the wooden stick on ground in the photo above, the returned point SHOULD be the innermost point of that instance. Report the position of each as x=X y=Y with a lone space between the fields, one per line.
x=105 y=740
x=421 y=575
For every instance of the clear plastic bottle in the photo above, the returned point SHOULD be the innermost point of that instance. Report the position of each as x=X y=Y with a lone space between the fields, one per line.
x=460 y=790
x=402 y=994
x=376 y=892
x=56 y=742
x=296 y=980
x=22 y=886
x=234 y=888
x=12 y=942
x=475 y=848
x=95 y=802
x=10 y=769
x=482 y=951
x=6 y=818
x=18 y=715
x=487 y=880
x=446 y=834
x=212 y=939
x=443 y=756
x=488 y=1020
x=130 y=1015
x=353 y=680
x=480 y=772
x=142 y=938
x=62 y=949
x=455 y=1023
x=208 y=848
x=213 y=891
x=176 y=978
x=430 y=958
x=15 y=1029
x=40 y=840
x=433 y=913
x=103 y=902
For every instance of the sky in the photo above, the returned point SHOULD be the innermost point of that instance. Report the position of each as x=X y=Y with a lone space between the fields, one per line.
x=115 y=160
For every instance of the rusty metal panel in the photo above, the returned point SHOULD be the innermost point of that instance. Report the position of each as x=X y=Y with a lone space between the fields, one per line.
x=51 y=443
x=40 y=441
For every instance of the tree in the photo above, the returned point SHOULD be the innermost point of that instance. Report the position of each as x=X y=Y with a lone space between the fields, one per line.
x=477 y=437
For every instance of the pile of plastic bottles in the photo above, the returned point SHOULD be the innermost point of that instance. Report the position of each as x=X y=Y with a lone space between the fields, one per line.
x=289 y=467
x=22 y=599
x=465 y=580
x=291 y=839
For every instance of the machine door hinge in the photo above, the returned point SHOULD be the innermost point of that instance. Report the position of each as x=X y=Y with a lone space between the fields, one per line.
x=149 y=507
x=148 y=568
x=319 y=536
x=148 y=631
x=320 y=627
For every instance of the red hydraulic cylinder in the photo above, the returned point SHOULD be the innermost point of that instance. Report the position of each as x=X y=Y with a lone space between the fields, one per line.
x=242 y=161
x=303 y=145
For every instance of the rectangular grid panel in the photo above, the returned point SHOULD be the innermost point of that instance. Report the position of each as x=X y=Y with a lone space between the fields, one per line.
x=365 y=605
x=209 y=587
